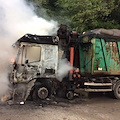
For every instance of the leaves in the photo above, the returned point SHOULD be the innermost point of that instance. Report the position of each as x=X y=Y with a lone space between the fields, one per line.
x=83 y=15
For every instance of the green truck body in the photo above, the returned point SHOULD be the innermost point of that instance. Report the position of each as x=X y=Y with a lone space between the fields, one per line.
x=99 y=56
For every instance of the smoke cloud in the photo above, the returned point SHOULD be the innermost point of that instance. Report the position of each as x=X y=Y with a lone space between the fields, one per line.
x=63 y=69
x=17 y=19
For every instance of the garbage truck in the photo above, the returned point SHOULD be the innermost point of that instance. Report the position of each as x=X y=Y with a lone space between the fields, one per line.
x=94 y=57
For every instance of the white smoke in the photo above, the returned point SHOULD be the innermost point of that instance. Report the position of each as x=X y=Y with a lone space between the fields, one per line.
x=17 y=19
x=63 y=69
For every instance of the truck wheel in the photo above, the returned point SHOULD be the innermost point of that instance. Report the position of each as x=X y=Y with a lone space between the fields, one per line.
x=40 y=92
x=43 y=93
x=70 y=95
x=117 y=90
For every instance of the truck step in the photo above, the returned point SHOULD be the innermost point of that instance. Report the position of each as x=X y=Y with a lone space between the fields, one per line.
x=97 y=84
x=97 y=90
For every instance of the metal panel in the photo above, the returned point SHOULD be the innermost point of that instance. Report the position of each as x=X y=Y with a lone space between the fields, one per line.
x=49 y=58
x=98 y=84
x=86 y=56
x=99 y=56
x=98 y=90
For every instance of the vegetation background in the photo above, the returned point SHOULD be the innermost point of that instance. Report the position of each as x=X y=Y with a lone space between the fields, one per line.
x=80 y=15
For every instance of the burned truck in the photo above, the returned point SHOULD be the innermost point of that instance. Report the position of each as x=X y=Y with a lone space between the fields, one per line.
x=35 y=70
x=35 y=65
x=94 y=56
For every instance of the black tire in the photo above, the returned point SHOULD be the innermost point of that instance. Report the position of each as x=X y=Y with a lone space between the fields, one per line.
x=36 y=92
x=70 y=95
x=42 y=93
x=117 y=90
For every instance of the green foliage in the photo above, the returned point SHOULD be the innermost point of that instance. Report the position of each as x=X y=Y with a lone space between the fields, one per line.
x=89 y=14
x=81 y=15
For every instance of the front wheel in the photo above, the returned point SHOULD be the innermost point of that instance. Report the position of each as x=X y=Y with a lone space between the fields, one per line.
x=40 y=92
x=117 y=90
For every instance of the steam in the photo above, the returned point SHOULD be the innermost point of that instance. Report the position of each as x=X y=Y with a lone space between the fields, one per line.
x=63 y=69
x=17 y=19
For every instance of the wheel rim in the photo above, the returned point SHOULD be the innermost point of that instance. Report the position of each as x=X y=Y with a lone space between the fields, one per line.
x=43 y=93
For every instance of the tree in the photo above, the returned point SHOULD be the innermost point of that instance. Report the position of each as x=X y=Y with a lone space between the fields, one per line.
x=89 y=14
x=81 y=15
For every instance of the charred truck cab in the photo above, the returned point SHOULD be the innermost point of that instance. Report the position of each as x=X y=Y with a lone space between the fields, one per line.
x=35 y=66
x=35 y=69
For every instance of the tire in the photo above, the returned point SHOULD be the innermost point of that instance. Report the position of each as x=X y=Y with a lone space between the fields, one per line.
x=117 y=90
x=40 y=92
x=70 y=95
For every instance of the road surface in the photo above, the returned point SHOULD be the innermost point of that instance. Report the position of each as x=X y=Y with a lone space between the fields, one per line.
x=96 y=107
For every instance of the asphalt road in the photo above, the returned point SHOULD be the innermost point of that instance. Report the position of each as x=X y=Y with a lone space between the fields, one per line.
x=96 y=107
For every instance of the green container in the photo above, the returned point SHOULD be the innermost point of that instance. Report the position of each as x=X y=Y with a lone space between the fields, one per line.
x=99 y=56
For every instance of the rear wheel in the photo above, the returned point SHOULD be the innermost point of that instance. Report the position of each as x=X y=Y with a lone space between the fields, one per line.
x=117 y=90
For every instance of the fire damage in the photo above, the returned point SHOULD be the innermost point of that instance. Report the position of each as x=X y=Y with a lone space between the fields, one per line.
x=34 y=73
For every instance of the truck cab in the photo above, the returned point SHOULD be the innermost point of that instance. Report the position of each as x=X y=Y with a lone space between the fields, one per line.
x=36 y=63
x=35 y=60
